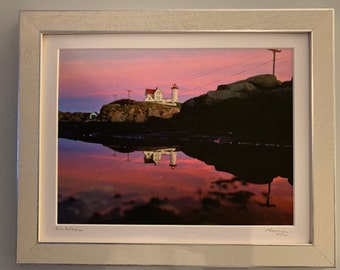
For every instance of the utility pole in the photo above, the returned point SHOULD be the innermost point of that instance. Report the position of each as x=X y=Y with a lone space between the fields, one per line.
x=115 y=97
x=274 y=57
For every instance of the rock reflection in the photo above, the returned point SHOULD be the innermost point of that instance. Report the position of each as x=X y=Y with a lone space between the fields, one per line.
x=249 y=163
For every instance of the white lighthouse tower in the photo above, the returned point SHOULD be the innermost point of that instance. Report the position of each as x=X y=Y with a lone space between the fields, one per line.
x=174 y=93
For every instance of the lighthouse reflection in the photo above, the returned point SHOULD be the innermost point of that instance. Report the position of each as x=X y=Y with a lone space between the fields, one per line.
x=155 y=156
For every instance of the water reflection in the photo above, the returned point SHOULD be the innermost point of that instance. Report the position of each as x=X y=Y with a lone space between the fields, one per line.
x=101 y=185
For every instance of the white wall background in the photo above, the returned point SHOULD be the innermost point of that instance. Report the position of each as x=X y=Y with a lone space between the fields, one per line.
x=9 y=42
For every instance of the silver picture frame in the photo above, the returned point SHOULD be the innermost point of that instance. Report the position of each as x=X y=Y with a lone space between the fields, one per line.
x=317 y=23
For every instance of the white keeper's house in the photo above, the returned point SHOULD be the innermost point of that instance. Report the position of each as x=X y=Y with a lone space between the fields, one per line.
x=156 y=95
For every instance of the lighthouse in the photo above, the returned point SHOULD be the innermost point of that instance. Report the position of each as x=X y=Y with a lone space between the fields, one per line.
x=174 y=93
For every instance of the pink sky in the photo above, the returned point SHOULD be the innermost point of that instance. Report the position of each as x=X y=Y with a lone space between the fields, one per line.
x=90 y=78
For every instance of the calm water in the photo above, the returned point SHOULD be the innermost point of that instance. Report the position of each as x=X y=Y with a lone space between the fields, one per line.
x=99 y=185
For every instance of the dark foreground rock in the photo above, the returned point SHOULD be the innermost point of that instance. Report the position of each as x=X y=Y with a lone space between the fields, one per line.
x=258 y=106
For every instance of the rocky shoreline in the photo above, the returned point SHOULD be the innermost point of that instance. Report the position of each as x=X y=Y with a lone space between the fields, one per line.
x=256 y=111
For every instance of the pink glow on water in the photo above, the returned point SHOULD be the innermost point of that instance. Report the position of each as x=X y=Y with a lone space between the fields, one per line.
x=129 y=174
x=102 y=179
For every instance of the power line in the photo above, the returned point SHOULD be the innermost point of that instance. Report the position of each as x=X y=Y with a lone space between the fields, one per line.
x=243 y=71
x=213 y=70
x=216 y=69
x=238 y=73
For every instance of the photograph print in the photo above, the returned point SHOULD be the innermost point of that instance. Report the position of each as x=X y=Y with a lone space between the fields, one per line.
x=175 y=136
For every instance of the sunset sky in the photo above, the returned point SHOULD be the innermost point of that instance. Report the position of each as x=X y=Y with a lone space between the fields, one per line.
x=90 y=78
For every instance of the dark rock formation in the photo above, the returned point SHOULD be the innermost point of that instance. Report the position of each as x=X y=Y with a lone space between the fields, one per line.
x=258 y=106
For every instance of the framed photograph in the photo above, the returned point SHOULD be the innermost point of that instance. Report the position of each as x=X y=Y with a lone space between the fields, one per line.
x=177 y=138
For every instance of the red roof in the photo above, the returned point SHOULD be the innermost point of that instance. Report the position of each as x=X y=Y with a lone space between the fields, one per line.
x=174 y=86
x=150 y=91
